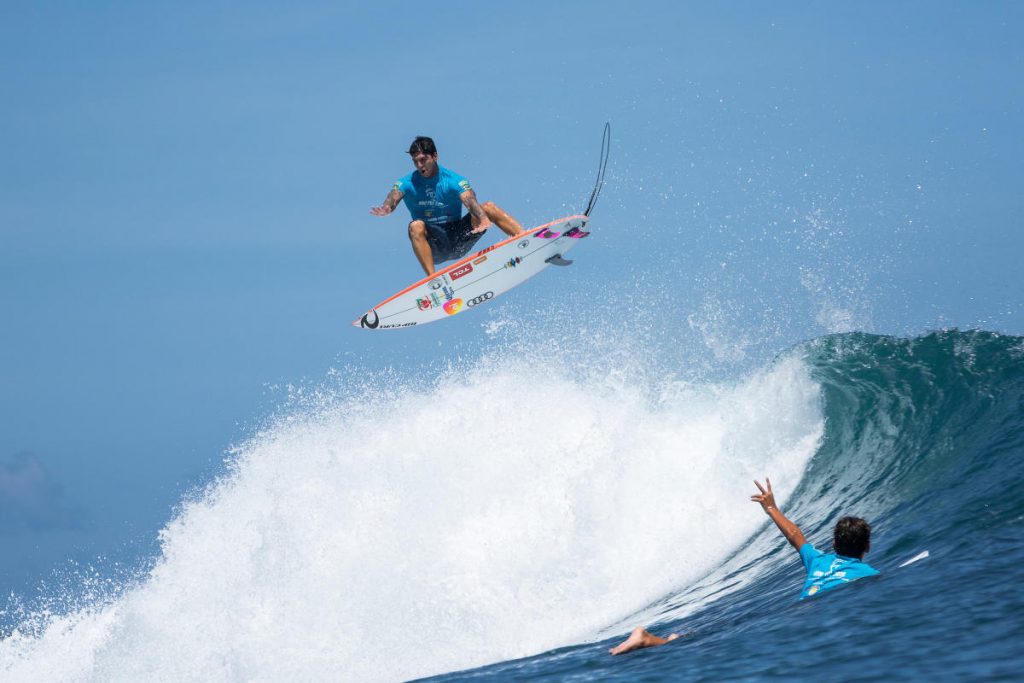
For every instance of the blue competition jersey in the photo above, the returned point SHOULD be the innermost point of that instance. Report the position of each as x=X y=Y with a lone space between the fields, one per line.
x=433 y=200
x=825 y=571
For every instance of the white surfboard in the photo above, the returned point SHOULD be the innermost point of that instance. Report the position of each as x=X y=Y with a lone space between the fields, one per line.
x=477 y=279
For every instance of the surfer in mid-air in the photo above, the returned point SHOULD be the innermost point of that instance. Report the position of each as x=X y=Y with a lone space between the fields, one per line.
x=435 y=196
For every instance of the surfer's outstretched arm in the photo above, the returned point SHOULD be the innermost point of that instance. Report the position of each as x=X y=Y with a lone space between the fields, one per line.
x=390 y=202
x=638 y=639
x=767 y=500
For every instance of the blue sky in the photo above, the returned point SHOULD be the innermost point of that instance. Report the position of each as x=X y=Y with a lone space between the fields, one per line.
x=184 y=195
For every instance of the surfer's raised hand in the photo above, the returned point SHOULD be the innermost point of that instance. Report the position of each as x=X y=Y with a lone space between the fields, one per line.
x=766 y=498
x=382 y=210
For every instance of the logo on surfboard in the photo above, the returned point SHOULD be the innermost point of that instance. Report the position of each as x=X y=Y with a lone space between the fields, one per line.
x=477 y=300
x=461 y=270
x=370 y=324
x=452 y=307
x=425 y=303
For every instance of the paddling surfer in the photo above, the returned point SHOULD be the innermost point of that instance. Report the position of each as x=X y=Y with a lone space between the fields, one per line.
x=851 y=539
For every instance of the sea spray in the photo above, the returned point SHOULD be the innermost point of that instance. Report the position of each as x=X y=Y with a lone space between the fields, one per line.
x=504 y=509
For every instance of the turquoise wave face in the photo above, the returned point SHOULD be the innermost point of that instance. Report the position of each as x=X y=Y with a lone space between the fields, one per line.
x=926 y=426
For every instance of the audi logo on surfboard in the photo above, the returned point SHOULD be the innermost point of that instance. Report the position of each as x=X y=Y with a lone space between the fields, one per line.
x=486 y=296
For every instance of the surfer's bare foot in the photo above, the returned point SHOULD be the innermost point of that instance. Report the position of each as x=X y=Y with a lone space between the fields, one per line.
x=639 y=639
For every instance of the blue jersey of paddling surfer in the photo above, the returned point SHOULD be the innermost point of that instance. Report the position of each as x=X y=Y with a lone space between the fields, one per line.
x=435 y=196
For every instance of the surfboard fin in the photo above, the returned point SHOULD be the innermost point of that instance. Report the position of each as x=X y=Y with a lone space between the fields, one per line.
x=557 y=260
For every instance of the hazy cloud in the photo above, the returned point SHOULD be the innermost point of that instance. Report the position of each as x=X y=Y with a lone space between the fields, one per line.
x=32 y=500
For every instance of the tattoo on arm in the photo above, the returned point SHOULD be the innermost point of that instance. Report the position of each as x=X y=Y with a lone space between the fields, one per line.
x=391 y=201
x=469 y=199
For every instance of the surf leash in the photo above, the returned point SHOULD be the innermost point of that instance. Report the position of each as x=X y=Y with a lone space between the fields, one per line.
x=602 y=165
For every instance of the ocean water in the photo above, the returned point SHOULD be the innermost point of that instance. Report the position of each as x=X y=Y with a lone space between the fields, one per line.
x=512 y=517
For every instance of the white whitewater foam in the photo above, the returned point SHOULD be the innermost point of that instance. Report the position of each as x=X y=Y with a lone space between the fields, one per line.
x=502 y=513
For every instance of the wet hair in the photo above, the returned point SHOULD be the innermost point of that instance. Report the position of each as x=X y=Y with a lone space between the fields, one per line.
x=422 y=145
x=851 y=537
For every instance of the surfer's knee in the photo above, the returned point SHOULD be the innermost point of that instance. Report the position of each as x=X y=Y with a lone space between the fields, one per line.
x=417 y=230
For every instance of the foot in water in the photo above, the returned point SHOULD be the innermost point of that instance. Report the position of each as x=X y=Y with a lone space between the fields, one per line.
x=638 y=639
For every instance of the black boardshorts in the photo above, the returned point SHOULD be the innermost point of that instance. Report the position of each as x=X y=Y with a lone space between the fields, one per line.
x=452 y=241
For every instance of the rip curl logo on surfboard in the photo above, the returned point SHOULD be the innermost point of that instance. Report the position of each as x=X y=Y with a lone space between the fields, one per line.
x=370 y=324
